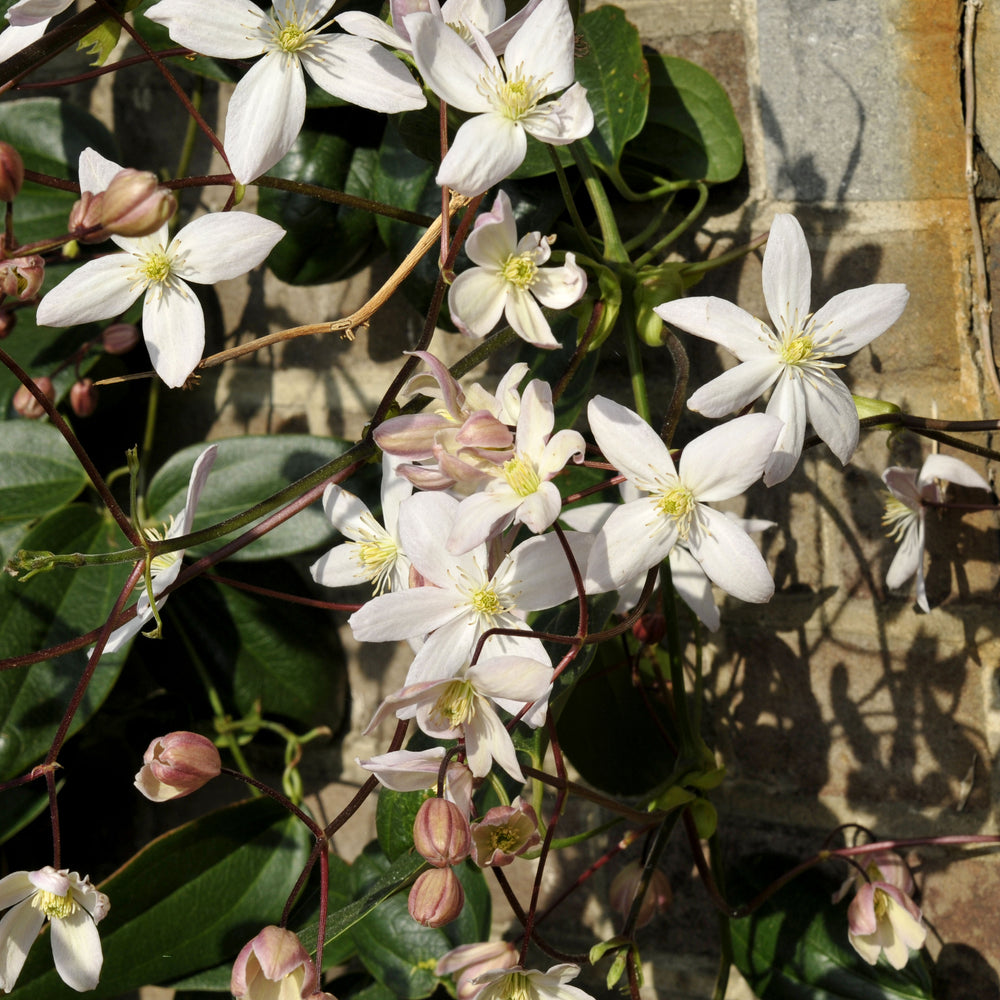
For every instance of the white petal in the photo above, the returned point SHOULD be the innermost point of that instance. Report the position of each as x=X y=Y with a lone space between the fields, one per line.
x=902 y=484
x=526 y=317
x=540 y=509
x=787 y=273
x=564 y=120
x=628 y=442
x=636 y=537
x=494 y=236
x=450 y=67
x=425 y=523
x=952 y=470
x=223 y=245
x=18 y=930
x=480 y=516
x=543 y=45
x=97 y=290
x=487 y=740
x=362 y=72
x=856 y=317
x=365 y=25
x=724 y=461
x=788 y=404
x=730 y=558
x=560 y=287
x=199 y=476
x=909 y=557
x=26 y=13
x=265 y=115
x=95 y=171
x=76 y=950
x=476 y=300
x=516 y=678
x=173 y=327
x=539 y=571
x=229 y=29
x=486 y=149
x=693 y=587
x=736 y=388
x=344 y=511
x=721 y=322
x=14 y=38
x=410 y=613
x=14 y=888
x=831 y=410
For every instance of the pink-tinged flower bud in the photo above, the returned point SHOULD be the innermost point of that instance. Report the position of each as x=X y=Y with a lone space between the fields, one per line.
x=882 y=918
x=11 y=172
x=21 y=277
x=25 y=403
x=650 y=629
x=120 y=338
x=504 y=833
x=468 y=961
x=437 y=897
x=626 y=884
x=176 y=765
x=135 y=204
x=85 y=218
x=8 y=320
x=83 y=397
x=441 y=833
x=274 y=956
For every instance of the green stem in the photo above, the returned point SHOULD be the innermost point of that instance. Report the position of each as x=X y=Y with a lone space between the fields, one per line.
x=631 y=337
x=568 y=200
x=680 y=228
x=690 y=743
x=703 y=266
x=614 y=249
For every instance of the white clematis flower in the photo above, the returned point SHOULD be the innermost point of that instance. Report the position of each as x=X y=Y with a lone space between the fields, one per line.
x=905 y=509
x=530 y=984
x=509 y=278
x=505 y=98
x=212 y=248
x=793 y=360
x=268 y=106
x=28 y=20
x=415 y=770
x=718 y=465
x=74 y=908
x=165 y=569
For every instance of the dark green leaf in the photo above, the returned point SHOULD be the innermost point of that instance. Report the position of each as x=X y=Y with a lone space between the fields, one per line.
x=473 y=923
x=188 y=901
x=691 y=132
x=614 y=72
x=48 y=609
x=394 y=820
x=795 y=947
x=246 y=471
x=39 y=471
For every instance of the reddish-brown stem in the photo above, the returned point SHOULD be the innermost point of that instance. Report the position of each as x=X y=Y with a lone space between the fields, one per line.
x=50 y=785
x=309 y=602
x=515 y=905
x=283 y=800
x=581 y=350
x=68 y=81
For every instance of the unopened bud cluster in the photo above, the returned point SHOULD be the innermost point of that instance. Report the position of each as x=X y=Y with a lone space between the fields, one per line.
x=442 y=837
x=133 y=205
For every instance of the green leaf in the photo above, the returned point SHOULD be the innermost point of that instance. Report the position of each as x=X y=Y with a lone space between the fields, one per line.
x=324 y=241
x=691 y=131
x=473 y=923
x=614 y=73
x=39 y=471
x=48 y=609
x=189 y=900
x=246 y=471
x=394 y=818
x=795 y=947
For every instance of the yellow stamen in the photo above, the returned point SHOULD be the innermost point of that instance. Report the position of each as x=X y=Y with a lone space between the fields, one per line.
x=520 y=270
x=521 y=477
x=678 y=502
x=54 y=906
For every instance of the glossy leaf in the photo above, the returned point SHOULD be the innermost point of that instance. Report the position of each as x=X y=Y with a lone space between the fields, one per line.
x=246 y=471
x=39 y=471
x=48 y=609
x=189 y=900
x=691 y=131
x=795 y=947
x=614 y=73
x=394 y=818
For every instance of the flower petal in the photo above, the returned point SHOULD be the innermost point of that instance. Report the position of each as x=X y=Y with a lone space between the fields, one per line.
x=526 y=317
x=788 y=404
x=856 y=317
x=494 y=237
x=628 y=442
x=721 y=322
x=486 y=149
x=99 y=289
x=543 y=45
x=787 y=273
x=173 y=327
x=729 y=557
x=560 y=287
x=76 y=950
x=725 y=460
x=831 y=410
x=223 y=245
x=228 y=29
x=450 y=67
x=634 y=538
x=404 y=615
x=18 y=930
x=564 y=120
x=476 y=301
x=952 y=470
x=736 y=388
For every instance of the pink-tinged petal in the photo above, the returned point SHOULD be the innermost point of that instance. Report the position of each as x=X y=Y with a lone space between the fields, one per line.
x=861 y=917
x=725 y=460
x=564 y=120
x=536 y=420
x=830 y=409
x=362 y=72
x=449 y=67
x=721 y=322
x=410 y=613
x=265 y=115
x=736 y=388
x=634 y=538
x=399 y=10
x=729 y=557
x=223 y=245
x=560 y=287
x=562 y=447
x=228 y=29
x=405 y=770
x=26 y=13
x=787 y=273
x=543 y=46
x=476 y=301
x=482 y=430
x=902 y=484
x=365 y=25
x=693 y=587
x=76 y=950
x=628 y=442
x=479 y=517
x=539 y=510
x=909 y=556
x=952 y=470
x=494 y=236
x=173 y=327
x=18 y=930
x=856 y=317
x=500 y=37
x=788 y=404
x=425 y=523
x=199 y=476
x=411 y=436
x=486 y=149
x=99 y=289
x=526 y=317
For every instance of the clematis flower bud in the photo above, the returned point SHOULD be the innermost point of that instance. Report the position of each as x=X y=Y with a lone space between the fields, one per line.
x=441 y=833
x=437 y=897
x=650 y=628
x=25 y=403
x=11 y=172
x=85 y=215
x=625 y=885
x=21 y=277
x=468 y=961
x=135 y=205
x=274 y=965
x=83 y=397
x=176 y=765
x=120 y=338
x=504 y=833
